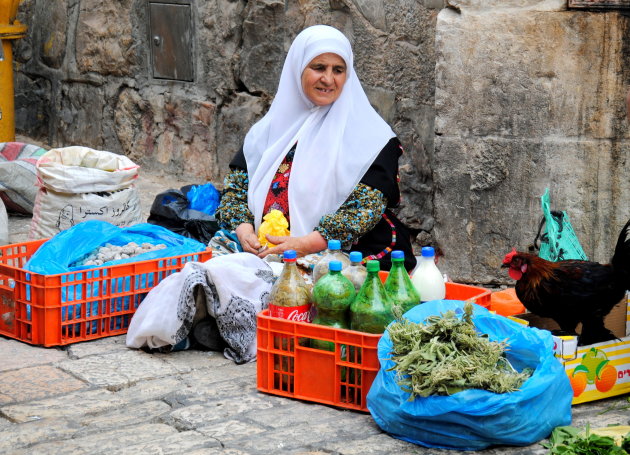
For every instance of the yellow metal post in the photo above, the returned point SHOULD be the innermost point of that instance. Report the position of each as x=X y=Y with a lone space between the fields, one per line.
x=10 y=29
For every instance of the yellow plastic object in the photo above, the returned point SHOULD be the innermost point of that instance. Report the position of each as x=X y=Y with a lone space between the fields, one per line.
x=617 y=432
x=274 y=224
x=10 y=29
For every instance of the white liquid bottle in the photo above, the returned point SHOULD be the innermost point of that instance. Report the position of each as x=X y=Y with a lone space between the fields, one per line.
x=427 y=279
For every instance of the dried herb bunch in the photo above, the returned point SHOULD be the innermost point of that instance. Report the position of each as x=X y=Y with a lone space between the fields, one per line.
x=446 y=355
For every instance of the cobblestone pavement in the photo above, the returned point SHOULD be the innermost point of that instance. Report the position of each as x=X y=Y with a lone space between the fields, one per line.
x=99 y=397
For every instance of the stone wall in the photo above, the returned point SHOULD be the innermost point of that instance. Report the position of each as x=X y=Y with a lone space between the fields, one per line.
x=84 y=78
x=528 y=97
x=494 y=101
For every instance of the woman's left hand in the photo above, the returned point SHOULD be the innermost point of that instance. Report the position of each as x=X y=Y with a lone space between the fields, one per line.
x=307 y=244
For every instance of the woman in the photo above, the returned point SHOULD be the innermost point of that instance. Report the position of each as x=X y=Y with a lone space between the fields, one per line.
x=340 y=155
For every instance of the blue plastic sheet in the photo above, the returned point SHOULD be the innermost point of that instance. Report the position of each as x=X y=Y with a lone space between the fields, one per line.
x=62 y=252
x=475 y=419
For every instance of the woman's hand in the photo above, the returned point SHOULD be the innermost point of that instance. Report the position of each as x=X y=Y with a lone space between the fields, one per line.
x=248 y=238
x=307 y=244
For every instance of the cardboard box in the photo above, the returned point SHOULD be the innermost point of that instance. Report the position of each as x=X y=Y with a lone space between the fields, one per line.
x=599 y=370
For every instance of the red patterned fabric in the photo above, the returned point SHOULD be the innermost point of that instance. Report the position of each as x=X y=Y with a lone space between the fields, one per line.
x=278 y=196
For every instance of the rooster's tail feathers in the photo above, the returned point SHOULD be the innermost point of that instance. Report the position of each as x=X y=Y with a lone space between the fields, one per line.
x=621 y=259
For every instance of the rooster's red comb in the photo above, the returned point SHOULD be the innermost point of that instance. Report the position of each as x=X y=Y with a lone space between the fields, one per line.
x=508 y=257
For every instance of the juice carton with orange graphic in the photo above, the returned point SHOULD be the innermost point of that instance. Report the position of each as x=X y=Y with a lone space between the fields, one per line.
x=599 y=370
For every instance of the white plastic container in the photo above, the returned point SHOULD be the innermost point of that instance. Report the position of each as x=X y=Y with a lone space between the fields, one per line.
x=427 y=278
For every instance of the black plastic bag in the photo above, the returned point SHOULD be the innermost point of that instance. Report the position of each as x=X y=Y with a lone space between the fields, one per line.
x=170 y=210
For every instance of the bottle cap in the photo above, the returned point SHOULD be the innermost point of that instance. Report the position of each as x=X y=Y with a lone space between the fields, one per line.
x=334 y=245
x=373 y=266
x=356 y=256
x=397 y=254
x=428 y=251
x=334 y=266
x=289 y=254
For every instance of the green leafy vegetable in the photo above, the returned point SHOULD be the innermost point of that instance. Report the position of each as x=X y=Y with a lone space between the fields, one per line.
x=573 y=441
x=446 y=355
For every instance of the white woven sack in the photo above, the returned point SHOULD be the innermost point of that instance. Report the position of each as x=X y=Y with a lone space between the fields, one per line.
x=4 y=224
x=84 y=170
x=78 y=184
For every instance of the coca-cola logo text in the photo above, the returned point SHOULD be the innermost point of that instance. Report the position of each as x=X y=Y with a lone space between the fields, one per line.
x=299 y=316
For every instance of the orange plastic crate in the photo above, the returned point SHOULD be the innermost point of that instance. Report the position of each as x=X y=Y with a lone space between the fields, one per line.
x=54 y=310
x=288 y=367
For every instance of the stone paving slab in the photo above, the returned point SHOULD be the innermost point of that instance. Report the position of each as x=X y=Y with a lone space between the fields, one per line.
x=69 y=405
x=16 y=354
x=36 y=382
x=102 y=442
x=227 y=431
x=94 y=347
x=118 y=369
x=186 y=442
x=152 y=389
x=188 y=361
x=126 y=416
x=39 y=431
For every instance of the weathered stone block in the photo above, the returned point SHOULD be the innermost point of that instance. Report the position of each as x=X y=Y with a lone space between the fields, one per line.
x=261 y=57
x=509 y=127
x=79 y=115
x=104 y=42
x=175 y=133
x=32 y=105
x=53 y=46
x=235 y=119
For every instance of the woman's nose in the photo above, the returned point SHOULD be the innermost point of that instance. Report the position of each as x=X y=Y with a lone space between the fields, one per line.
x=327 y=77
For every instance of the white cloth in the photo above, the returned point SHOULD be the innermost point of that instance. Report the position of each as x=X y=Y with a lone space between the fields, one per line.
x=236 y=288
x=336 y=144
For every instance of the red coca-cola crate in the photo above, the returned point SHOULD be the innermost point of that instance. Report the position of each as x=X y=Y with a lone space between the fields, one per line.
x=289 y=367
x=55 y=310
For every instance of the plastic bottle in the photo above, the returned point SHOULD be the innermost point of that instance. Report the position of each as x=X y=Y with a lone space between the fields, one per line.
x=427 y=279
x=371 y=310
x=399 y=285
x=356 y=271
x=332 y=296
x=333 y=253
x=290 y=296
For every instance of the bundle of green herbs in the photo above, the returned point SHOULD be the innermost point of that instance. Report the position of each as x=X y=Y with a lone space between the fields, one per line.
x=446 y=355
x=573 y=441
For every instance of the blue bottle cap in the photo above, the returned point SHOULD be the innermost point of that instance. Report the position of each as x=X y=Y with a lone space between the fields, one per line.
x=289 y=254
x=428 y=251
x=356 y=256
x=334 y=245
x=334 y=266
x=397 y=254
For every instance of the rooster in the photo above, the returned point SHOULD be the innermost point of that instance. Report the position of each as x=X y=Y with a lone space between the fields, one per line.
x=573 y=291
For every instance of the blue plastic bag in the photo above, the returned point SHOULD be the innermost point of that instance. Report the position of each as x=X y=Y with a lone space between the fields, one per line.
x=204 y=198
x=61 y=252
x=69 y=247
x=475 y=419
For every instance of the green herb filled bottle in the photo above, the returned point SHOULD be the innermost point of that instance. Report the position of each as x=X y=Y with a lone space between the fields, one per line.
x=399 y=285
x=371 y=310
x=332 y=296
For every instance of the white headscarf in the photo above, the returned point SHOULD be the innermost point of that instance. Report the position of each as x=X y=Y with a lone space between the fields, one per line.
x=336 y=143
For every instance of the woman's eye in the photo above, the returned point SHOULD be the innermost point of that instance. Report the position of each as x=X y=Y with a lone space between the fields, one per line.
x=340 y=70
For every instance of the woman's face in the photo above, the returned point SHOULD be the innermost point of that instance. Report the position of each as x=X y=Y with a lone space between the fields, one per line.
x=323 y=79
